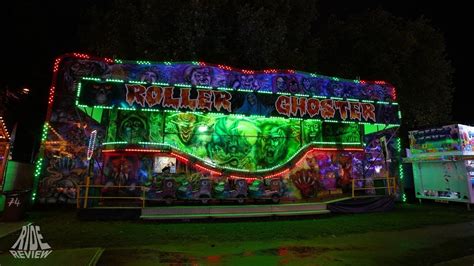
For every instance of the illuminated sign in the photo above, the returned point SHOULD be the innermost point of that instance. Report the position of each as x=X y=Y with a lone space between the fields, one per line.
x=233 y=101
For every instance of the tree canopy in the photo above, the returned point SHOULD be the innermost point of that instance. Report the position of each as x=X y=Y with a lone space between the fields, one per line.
x=373 y=45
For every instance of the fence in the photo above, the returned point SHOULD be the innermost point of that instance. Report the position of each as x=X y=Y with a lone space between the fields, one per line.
x=370 y=186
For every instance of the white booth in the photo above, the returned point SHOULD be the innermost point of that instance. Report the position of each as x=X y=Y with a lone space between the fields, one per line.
x=443 y=163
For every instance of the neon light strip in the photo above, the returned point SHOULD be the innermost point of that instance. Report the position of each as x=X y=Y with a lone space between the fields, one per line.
x=241 y=115
x=163 y=145
x=133 y=150
x=114 y=142
x=284 y=172
x=4 y=128
x=243 y=177
x=182 y=158
x=185 y=160
x=234 y=89
x=200 y=167
x=90 y=148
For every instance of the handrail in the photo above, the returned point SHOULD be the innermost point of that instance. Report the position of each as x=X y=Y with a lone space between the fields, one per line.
x=86 y=196
x=390 y=188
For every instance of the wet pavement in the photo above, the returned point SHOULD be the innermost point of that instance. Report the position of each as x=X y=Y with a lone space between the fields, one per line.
x=373 y=248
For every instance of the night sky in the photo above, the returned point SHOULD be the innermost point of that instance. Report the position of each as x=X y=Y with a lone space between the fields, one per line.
x=35 y=32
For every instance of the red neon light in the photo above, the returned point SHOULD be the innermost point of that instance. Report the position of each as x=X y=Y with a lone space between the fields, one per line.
x=394 y=93
x=381 y=82
x=182 y=158
x=202 y=63
x=325 y=149
x=362 y=82
x=269 y=71
x=291 y=71
x=251 y=179
x=51 y=95
x=284 y=172
x=208 y=170
x=83 y=56
x=248 y=71
x=108 y=60
x=225 y=67
x=56 y=64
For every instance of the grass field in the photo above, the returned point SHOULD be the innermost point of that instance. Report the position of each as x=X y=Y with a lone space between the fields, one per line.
x=326 y=238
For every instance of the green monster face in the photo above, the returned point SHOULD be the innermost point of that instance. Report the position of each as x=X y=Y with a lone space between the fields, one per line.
x=273 y=148
x=233 y=143
x=185 y=124
x=312 y=131
x=134 y=128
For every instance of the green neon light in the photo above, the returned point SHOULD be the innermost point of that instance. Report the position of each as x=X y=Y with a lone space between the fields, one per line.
x=151 y=143
x=336 y=98
x=102 y=107
x=204 y=87
x=115 y=80
x=88 y=78
x=160 y=83
x=79 y=86
x=39 y=163
x=38 y=166
x=118 y=61
x=44 y=134
x=143 y=62
x=182 y=85
x=399 y=114
x=302 y=95
x=137 y=82
x=114 y=142
x=235 y=115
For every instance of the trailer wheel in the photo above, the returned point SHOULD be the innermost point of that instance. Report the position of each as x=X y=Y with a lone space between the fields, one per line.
x=240 y=199
x=275 y=198
x=168 y=200
x=205 y=199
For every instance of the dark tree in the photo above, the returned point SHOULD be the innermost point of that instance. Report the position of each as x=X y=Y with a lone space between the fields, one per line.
x=411 y=55
x=246 y=34
x=283 y=34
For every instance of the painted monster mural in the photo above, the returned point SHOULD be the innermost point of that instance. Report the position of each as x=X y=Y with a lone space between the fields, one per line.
x=325 y=171
x=237 y=142
x=253 y=135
